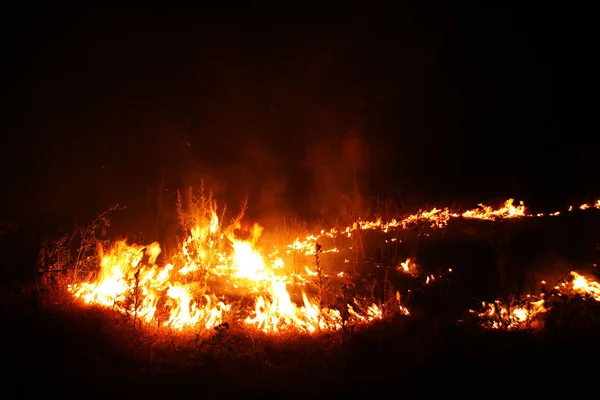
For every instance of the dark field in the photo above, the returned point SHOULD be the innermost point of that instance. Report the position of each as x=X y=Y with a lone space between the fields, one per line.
x=74 y=352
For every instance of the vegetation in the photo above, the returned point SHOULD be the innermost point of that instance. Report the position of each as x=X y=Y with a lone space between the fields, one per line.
x=70 y=348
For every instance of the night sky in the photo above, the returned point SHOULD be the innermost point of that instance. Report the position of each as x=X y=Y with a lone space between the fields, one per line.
x=442 y=103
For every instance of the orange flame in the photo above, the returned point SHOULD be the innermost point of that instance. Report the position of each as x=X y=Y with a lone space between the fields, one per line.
x=131 y=281
x=178 y=293
x=524 y=314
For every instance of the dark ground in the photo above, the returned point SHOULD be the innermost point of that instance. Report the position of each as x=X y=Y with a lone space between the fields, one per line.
x=78 y=353
x=43 y=356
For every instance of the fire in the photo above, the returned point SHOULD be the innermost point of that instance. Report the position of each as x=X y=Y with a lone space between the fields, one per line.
x=508 y=210
x=249 y=263
x=279 y=313
x=497 y=315
x=178 y=294
x=585 y=287
x=132 y=285
x=524 y=313
x=409 y=267
x=182 y=291
x=586 y=206
x=435 y=218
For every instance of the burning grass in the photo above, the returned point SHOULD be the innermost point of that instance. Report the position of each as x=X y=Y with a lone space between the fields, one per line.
x=218 y=266
x=223 y=276
x=235 y=304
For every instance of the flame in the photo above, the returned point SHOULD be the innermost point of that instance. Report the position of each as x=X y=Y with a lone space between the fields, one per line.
x=585 y=287
x=435 y=218
x=587 y=206
x=178 y=294
x=497 y=315
x=181 y=291
x=524 y=313
x=279 y=313
x=409 y=267
x=132 y=286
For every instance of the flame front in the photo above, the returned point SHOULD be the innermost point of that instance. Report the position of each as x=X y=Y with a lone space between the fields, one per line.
x=181 y=291
x=178 y=294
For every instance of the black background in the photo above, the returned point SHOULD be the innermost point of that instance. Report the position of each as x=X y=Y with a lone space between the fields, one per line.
x=442 y=102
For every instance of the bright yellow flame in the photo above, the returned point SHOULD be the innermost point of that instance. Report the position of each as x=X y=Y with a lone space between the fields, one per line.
x=178 y=294
x=131 y=282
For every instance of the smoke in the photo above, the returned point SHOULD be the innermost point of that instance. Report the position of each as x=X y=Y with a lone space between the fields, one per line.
x=251 y=171
x=286 y=129
x=338 y=168
x=264 y=129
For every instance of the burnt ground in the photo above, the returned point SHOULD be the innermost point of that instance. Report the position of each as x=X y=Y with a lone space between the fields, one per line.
x=86 y=353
